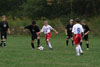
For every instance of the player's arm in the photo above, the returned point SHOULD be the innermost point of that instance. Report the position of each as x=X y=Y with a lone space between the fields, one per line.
x=26 y=27
x=66 y=31
x=37 y=30
x=8 y=29
x=82 y=32
x=41 y=30
x=87 y=31
x=55 y=31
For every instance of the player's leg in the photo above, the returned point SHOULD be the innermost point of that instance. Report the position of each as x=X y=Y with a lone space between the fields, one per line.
x=67 y=40
x=1 y=43
x=38 y=41
x=81 y=42
x=80 y=49
x=77 y=51
x=72 y=41
x=4 y=40
x=76 y=43
x=49 y=44
x=87 y=43
x=32 y=42
x=2 y=36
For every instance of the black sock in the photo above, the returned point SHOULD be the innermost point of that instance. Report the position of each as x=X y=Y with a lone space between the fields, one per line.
x=87 y=45
x=1 y=43
x=81 y=44
x=4 y=44
x=72 y=43
x=67 y=42
x=32 y=44
x=38 y=42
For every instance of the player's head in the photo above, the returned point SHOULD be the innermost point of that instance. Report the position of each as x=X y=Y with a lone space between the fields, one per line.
x=83 y=22
x=46 y=23
x=71 y=21
x=77 y=20
x=33 y=22
x=3 y=18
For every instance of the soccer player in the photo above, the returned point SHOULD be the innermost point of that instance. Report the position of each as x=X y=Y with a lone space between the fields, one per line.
x=34 y=29
x=77 y=30
x=68 y=32
x=86 y=32
x=47 y=31
x=4 y=27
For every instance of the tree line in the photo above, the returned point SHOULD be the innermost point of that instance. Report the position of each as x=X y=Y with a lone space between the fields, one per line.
x=49 y=8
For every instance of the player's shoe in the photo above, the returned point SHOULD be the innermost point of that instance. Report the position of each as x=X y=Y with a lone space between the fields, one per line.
x=50 y=48
x=5 y=46
x=87 y=49
x=32 y=48
x=81 y=53
x=77 y=54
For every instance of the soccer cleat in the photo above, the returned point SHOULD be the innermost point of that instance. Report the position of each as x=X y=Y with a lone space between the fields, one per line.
x=78 y=54
x=51 y=48
x=32 y=48
x=87 y=49
x=81 y=53
x=5 y=46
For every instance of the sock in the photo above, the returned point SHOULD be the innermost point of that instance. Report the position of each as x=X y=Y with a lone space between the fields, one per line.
x=72 y=43
x=80 y=49
x=77 y=50
x=4 y=44
x=1 y=43
x=38 y=42
x=49 y=44
x=87 y=45
x=67 y=42
x=32 y=44
x=81 y=44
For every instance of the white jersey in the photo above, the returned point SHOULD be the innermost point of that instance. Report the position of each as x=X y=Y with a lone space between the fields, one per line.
x=77 y=29
x=46 y=29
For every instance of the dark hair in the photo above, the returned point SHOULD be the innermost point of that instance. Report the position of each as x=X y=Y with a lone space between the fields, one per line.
x=33 y=22
x=84 y=21
x=77 y=20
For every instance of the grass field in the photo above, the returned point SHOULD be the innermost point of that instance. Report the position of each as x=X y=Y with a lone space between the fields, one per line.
x=19 y=54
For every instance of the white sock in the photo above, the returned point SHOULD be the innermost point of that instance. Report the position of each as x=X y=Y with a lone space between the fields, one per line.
x=80 y=49
x=77 y=50
x=49 y=44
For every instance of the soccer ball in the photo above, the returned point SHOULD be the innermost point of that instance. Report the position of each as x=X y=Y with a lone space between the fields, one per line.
x=41 y=48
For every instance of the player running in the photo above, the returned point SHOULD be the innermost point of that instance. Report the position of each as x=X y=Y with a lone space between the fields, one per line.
x=47 y=31
x=68 y=32
x=77 y=30
x=4 y=27
x=86 y=32
x=34 y=29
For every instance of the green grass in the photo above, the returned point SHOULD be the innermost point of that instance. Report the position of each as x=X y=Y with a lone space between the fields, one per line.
x=19 y=53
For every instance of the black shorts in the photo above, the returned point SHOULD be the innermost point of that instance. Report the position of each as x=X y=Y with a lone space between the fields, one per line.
x=86 y=38
x=34 y=37
x=69 y=36
x=3 y=35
